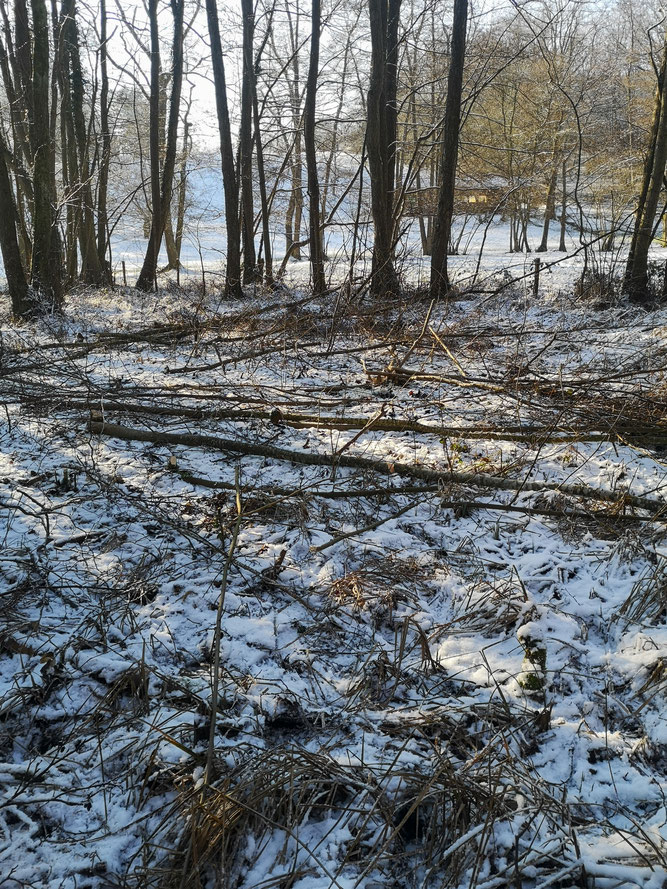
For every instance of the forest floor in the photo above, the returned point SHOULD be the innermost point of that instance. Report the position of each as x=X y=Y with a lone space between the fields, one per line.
x=416 y=555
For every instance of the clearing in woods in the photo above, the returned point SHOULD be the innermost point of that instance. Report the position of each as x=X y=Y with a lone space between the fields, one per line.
x=418 y=552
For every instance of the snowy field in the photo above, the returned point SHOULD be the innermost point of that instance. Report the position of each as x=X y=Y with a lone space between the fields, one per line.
x=482 y=239
x=483 y=250
x=406 y=569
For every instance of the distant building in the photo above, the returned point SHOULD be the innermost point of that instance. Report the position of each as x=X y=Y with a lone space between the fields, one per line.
x=468 y=198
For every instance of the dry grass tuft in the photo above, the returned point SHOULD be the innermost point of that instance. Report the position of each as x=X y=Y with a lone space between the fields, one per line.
x=313 y=816
x=647 y=602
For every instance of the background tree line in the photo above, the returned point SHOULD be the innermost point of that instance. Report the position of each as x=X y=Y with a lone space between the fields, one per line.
x=327 y=115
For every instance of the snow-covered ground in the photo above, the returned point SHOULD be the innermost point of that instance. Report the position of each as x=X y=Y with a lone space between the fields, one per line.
x=482 y=239
x=483 y=250
x=442 y=640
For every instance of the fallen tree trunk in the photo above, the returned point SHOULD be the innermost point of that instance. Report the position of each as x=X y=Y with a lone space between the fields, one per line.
x=529 y=434
x=460 y=505
x=476 y=479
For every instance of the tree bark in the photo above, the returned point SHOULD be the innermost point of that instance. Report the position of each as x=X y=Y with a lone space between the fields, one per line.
x=182 y=186
x=636 y=276
x=170 y=243
x=169 y=239
x=562 y=247
x=380 y=131
x=22 y=55
x=294 y=211
x=11 y=255
x=263 y=195
x=316 y=258
x=550 y=205
x=245 y=145
x=70 y=177
x=23 y=188
x=261 y=177
x=330 y=165
x=648 y=165
x=393 y=21
x=16 y=100
x=443 y=221
x=161 y=192
x=105 y=159
x=230 y=182
x=91 y=270
x=46 y=259
x=149 y=269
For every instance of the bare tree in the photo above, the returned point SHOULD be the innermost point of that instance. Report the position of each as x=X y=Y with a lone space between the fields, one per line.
x=230 y=181
x=161 y=190
x=105 y=158
x=259 y=150
x=72 y=87
x=9 y=245
x=292 y=73
x=182 y=183
x=550 y=208
x=316 y=257
x=636 y=275
x=46 y=274
x=381 y=140
x=246 y=145
x=443 y=221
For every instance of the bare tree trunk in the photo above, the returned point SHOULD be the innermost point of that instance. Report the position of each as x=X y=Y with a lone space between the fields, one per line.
x=161 y=193
x=68 y=157
x=11 y=255
x=46 y=260
x=261 y=177
x=91 y=270
x=182 y=185
x=171 y=150
x=424 y=233
x=169 y=239
x=316 y=259
x=245 y=145
x=330 y=162
x=563 y=214
x=13 y=87
x=170 y=243
x=550 y=205
x=289 y=225
x=22 y=55
x=357 y=217
x=636 y=276
x=230 y=182
x=147 y=278
x=380 y=130
x=524 y=219
x=295 y=203
x=70 y=178
x=22 y=202
x=393 y=21
x=297 y=193
x=105 y=159
x=648 y=165
x=450 y=148
x=263 y=196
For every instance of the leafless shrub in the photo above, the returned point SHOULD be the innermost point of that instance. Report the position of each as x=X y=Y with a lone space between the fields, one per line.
x=599 y=288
